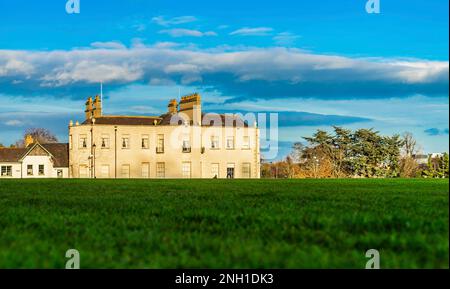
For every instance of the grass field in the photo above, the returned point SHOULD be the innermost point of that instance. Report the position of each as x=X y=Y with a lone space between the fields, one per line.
x=221 y=223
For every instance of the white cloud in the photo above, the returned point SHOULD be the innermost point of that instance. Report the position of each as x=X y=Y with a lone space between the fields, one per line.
x=14 y=122
x=109 y=45
x=257 y=31
x=165 y=61
x=180 y=32
x=162 y=21
x=285 y=38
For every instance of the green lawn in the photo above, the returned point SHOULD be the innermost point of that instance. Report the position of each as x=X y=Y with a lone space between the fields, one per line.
x=222 y=223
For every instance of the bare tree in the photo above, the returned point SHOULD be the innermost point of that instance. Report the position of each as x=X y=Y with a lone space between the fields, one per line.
x=409 y=144
x=41 y=135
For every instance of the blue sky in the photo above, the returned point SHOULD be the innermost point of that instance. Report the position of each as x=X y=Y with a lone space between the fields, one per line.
x=317 y=63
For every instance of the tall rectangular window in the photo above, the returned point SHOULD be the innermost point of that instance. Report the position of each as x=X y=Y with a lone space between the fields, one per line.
x=215 y=170
x=83 y=171
x=246 y=170
x=29 y=170
x=160 y=170
x=105 y=171
x=160 y=143
x=105 y=142
x=145 y=143
x=145 y=170
x=230 y=171
x=215 y=142
x=186 y=169
x=125 y=142
x=125 y=171
x=186 y=143
x=6 y=171
x=230 y=142
x=246 y=142
x=70 y=142
x=41 y=170
x=83 y=141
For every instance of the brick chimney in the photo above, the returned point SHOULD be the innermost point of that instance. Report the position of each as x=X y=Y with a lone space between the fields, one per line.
x=173 y=106
x=97 y=109
x=89 y=108
x=190 y=105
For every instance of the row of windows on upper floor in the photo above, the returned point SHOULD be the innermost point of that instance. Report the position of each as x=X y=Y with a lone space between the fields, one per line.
x=145 y=143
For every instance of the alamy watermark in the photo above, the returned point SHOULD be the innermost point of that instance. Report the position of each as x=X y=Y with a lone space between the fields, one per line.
x=373 y=6
x=374 y=261
x=73 y=6
x=74 y=259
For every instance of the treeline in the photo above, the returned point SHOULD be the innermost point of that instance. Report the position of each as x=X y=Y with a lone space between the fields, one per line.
x=362 y=153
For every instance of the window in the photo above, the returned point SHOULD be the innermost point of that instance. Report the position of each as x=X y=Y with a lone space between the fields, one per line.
x=41 y=170
x=145 y=144
x=246 y=170
x=126 y=142
x=104 y=171
x=160 y=170
x=160 y=144
x=215 y=170
x=230 y=171
x=214 y=142
x=6 y=171
x=83 y=141
x=246 y=143
x=230 y=142
x=29 y=170
x=186 y=144
x=145 y=170
x=70 y=142
x=83 y=171
x=125 y=171
x=105 y=142
x=186 y=169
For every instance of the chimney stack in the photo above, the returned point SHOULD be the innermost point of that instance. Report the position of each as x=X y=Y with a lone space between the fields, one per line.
x=89 y=108
x=97 y=109
x=173 y=106
x=190 y=105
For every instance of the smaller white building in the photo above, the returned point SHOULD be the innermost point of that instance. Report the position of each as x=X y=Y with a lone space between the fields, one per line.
x=35 y=161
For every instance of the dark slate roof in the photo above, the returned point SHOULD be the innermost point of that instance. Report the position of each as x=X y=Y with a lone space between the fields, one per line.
x=125 y=120
x=11 y=155
x=60 y=152
x=161 y=120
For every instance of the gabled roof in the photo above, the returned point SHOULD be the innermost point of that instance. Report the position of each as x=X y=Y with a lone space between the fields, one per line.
x=59 y=152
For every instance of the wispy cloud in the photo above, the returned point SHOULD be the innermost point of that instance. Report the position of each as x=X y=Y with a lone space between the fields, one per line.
x=109 y=45
x=256 y=31
x=162 y=21
x=285 y=38
x=180 y=32
x=436 y=131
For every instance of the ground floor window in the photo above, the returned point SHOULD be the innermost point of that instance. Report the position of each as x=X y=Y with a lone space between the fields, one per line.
x=160 y=170
x=246 y=170
x=215 y=171
x=186 y=170
x=125 y=171
x=145 y=170
x=6 y=171
x=83 y=171
x=41 y=171
x=230 y=171
x=29 y=170
x=104 y=171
